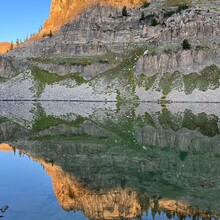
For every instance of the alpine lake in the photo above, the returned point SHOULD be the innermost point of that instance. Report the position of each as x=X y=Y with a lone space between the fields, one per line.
x=104 y=160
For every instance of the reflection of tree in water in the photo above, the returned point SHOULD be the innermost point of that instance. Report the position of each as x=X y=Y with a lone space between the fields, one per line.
x=117 y=198
x=159 y=153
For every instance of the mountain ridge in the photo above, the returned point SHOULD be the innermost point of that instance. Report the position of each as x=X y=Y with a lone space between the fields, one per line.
x=104 y=55
x=63 y=11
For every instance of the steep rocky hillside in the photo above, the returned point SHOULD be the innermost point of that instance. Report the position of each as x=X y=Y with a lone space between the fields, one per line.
x=104 y=54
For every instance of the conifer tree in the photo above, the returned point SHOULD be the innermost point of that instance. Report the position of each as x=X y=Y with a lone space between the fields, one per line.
x=124 y=11
x=17 y=42
x=186 y=45
x=12 y=46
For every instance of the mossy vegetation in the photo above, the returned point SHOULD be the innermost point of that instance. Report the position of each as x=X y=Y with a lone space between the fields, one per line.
x=78 y=61
x=207 y=79
x=169 y=121
x=168 y=14
x=147 y=82
x=2 y=79
x=170 y=81
x=44 y=121
x=75 y=139
x=3 y=119
x=207 y=125
x=177 y=3
x=183 y=155
x=122 y=75
x=43 y=78
x=145 y=4
x=145 y=119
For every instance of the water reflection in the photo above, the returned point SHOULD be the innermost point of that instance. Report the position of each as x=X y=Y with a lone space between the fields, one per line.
x=119 y=202
x=127 y=161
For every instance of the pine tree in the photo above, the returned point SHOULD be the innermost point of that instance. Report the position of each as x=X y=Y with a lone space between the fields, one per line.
x=142 y=16
x=145 y=4
x=12 y=46
x=124 y=11
x=17 y=42
x=154 y=22
x=51 y=34
x=186 y=45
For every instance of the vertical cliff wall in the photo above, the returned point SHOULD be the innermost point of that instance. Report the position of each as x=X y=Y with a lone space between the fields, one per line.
x=62 y=11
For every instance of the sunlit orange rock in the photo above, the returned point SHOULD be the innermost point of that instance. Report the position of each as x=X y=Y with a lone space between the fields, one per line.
x=115 y=203
x=6 y=148
x=4 y=47
x=62 y=11
x=108 y=204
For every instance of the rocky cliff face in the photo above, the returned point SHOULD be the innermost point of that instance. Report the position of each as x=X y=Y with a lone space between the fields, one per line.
x=63 y=11
x=142 y=51
x=101 y=29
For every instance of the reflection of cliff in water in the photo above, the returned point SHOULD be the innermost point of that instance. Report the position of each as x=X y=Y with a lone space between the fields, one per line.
x=144 y=152
x=114 y=203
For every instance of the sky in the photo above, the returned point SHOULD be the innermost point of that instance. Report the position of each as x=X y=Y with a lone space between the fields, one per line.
x=21 y=17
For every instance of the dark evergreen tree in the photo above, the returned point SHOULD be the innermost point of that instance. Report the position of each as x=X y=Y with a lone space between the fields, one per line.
x=142 y=16
x=50 y=34
x=124 y=11
x=186 y=45
x=12 y=45
x=154 y=22
x=17 y=42
x=145 y=4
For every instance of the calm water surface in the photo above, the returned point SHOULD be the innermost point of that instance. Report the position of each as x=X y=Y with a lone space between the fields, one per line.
x=66 y=160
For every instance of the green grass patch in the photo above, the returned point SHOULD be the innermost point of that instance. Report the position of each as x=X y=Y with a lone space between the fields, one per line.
x=183 y=155
x=144 y=120
x=170 y=81
x=78 y=61
x=44 y=121
x=48 y=78
x=145 y=81
x=3 y=119
x=74 y=139
x=207 y=125
x=47 y=121
x=207 y=79
x=123 y=72
x=44 y=78
x=2 y=79
x=167 y=120
x=172 y=3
